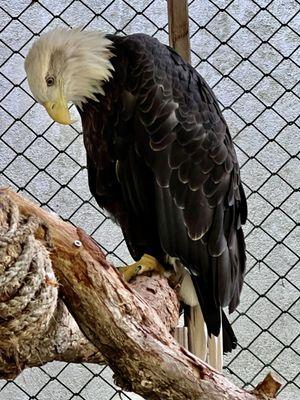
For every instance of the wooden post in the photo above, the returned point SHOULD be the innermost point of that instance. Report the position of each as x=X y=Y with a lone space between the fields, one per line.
x=179 y=37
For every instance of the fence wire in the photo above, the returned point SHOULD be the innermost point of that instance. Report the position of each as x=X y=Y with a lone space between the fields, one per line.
x=248 y=51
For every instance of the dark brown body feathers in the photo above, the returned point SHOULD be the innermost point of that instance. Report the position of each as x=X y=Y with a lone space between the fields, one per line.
x=177 y=189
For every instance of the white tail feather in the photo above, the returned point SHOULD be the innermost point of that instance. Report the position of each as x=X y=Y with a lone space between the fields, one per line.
x=215 y=351
x=197 y=333
x=208 y=349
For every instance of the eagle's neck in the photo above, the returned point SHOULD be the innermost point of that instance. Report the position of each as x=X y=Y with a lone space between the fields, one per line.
x=88 y=65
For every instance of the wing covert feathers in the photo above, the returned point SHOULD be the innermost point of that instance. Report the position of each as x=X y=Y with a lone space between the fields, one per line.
x=162 y=108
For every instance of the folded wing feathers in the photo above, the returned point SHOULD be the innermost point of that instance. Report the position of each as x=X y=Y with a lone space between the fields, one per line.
x=200 y=179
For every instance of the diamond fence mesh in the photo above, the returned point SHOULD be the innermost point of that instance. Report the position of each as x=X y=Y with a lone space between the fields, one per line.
x=248 y=51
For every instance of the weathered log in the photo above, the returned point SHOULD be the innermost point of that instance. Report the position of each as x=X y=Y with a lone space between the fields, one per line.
x=26 y=340
x=125 y=328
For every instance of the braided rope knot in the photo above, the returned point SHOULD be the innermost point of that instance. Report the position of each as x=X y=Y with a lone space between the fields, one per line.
x=28 y=288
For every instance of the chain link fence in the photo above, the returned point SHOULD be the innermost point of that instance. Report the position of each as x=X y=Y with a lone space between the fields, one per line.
x=248 y=51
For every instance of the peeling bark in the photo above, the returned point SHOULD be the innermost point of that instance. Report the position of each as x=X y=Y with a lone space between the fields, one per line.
x=124 y=325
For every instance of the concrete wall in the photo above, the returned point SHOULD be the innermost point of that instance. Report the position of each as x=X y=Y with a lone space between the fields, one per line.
x=249 y=56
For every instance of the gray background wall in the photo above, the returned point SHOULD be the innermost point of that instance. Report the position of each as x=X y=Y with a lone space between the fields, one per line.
x=248 y=51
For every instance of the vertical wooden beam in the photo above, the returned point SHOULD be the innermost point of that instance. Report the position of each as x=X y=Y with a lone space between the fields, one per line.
x=179 y=37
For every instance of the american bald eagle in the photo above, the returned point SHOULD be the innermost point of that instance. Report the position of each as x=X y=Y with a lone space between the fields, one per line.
x=160 y=157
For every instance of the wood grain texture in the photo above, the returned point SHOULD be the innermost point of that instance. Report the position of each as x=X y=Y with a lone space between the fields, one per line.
x=126 y=328
x=179 y=37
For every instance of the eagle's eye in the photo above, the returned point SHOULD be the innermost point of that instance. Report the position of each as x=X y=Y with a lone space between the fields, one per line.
x=50 y=80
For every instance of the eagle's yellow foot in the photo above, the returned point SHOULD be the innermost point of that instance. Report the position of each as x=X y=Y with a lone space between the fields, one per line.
x=146 y=264
x=130 y=271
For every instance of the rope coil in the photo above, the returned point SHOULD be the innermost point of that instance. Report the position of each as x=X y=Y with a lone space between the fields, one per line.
x=28 y=288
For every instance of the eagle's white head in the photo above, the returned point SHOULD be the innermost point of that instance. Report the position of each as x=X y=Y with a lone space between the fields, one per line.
x=68 y=65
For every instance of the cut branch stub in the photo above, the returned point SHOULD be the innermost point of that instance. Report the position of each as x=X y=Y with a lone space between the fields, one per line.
x=269 y=387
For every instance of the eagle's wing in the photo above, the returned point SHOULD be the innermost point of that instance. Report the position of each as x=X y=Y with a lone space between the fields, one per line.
x=200 y=204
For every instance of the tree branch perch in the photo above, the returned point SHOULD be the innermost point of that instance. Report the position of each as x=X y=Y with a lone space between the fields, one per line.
x=132 y=332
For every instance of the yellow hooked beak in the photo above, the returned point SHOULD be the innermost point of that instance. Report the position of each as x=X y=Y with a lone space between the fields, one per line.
x=58 y=111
